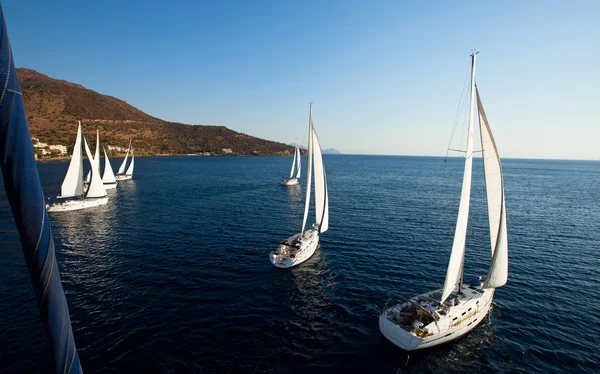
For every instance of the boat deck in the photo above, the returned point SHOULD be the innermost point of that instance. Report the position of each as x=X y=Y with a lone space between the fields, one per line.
x=427 y=310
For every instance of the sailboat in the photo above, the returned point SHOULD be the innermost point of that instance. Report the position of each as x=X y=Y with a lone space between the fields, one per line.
x=443 y=315
x=122 y=174
x=72 y=186
x=300 y=247
x=295 y=167
x=108 y=178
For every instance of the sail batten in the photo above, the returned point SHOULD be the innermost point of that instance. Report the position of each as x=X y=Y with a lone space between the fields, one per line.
x=73 y=182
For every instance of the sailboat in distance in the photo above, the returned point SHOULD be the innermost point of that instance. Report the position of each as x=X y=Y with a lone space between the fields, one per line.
x=72 y=186
x=298 y=248
x=122 y=174
x=291 y=181
x=443 y=315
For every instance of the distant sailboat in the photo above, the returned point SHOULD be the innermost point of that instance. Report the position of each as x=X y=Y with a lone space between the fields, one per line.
x=73 y=183
x=443 y=315
x=300 y=247
x=121 y=174
x=108 y=178
x=295 y=167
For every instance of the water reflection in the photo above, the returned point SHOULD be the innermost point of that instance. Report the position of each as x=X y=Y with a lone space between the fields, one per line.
x=312 y=307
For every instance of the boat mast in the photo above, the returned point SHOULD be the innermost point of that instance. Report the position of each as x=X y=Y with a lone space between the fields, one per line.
x=469 y=156
x=454 y=274
x=308 y=170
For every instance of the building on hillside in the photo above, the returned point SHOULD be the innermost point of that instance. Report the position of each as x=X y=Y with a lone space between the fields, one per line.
x=57 y=147
x=226 y=150
x=40 y=145
x=115 y=148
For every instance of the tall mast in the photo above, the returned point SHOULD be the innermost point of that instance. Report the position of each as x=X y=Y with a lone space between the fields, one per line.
x=454 y=274
x=309 y=169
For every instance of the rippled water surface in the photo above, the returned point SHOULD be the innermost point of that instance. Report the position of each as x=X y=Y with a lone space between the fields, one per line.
x=173 y=274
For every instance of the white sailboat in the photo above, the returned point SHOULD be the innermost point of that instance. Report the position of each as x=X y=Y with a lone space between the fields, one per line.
x=122 y=174
x=295 y=167
x=300 y=247
x=73 y=184
x=108 y=178
x=443 y=315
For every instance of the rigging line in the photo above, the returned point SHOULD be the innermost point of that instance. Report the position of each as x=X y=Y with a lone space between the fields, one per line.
x=443 y=187
x=460 y=103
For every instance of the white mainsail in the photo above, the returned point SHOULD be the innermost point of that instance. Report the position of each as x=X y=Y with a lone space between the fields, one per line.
x=294 y=162
x=124 y=163
x=109 y=175
x=97 y=154
x=321 y=198
x=96 y=188
x=130 y=168
x=298 y=162
x=494 y=187
x=309 y=170
x=457 y=257
x=73 y=183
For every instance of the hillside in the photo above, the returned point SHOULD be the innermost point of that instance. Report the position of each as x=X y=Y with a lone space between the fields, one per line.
x=54 y=106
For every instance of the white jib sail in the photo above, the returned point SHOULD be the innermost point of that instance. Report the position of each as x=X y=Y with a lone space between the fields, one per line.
x=494 y=188
x=298 y=162
x=321 y=198
x=96 y=188
x=123 y=164
x=457 y=256
x=109 y=175
x=294 y=163
x=130 y=168
x=308 y=170
x=73 y=183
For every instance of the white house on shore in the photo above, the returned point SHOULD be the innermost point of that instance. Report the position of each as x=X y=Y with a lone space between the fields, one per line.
x=57 y=147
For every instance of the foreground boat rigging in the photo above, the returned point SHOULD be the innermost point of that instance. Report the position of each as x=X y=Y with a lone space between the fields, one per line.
x=300 y=247
x=440 y=316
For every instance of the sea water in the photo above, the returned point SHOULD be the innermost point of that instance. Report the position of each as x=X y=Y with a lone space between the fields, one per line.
x=173 y=274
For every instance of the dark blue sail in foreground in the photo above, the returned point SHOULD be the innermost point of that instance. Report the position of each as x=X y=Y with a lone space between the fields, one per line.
x=24 y=192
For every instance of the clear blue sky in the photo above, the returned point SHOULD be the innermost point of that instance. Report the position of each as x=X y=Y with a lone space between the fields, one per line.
x=385 y=76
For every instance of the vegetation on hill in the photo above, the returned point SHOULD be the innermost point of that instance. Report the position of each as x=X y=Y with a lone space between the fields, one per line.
x=54 y=106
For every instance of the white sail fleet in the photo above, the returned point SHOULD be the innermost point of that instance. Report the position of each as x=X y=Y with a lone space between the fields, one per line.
x=75 y=193
x=422 y=321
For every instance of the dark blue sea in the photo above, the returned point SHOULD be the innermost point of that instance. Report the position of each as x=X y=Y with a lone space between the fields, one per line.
x=173 y=275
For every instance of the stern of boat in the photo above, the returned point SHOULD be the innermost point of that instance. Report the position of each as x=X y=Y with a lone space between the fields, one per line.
x=289 y=181
x=396 y=334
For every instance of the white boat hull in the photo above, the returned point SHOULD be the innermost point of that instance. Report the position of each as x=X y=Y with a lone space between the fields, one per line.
x=110 y=186
x=123 y=177
x=295 y=249
x=458 y=319
x=76 y=204
x=289 y=181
